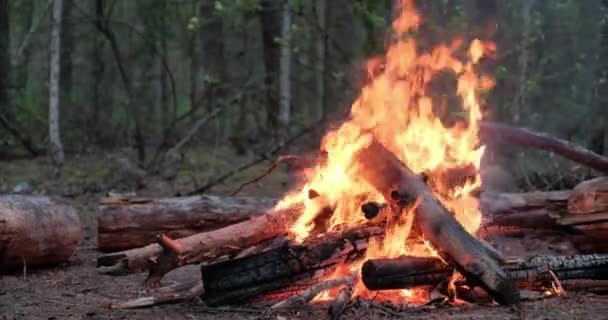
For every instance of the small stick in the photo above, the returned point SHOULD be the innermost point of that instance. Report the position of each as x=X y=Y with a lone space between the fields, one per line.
x=312 y=292
x=558 y=283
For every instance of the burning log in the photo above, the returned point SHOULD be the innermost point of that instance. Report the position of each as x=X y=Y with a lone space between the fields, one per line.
x=528 y=138
x=313 y=291
x=36 y=230
x=283 y=269
x=126 y=223
x=407 y=272
x=201 y=247
x=383 y=170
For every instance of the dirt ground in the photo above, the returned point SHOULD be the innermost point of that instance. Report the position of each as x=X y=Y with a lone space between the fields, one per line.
x=76 y=291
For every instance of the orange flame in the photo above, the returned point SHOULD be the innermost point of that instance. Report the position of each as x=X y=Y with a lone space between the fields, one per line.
x=397 y=108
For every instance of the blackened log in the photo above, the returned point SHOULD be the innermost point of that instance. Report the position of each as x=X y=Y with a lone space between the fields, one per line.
x=385 y=172
x=406 y=272
x=281 y=269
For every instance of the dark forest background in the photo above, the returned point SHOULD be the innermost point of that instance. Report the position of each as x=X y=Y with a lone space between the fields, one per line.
x=189 y=90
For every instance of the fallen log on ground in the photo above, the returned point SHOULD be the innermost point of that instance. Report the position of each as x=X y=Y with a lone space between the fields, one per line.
x=126 y=223
x=201 y=247
x=383 y=170
x=407 y=272
x=36 y=230
x=283 y=269
x=491 y=131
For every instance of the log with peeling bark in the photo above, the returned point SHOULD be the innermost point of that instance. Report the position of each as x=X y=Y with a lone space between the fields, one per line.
x=383 y=170
x=36 y=230
x=491 y=131
x=126 y=223
x=406 y=272
x=283 y=269
x=201 y=247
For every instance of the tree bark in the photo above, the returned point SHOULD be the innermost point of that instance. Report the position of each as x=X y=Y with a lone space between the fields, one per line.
x=395 y=181
x=130 y=223
x=407 y=272
x=55 y=145
x=490 y=131
x=239 y=280
x=36 y=230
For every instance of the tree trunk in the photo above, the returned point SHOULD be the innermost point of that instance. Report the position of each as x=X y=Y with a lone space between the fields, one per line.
x=5 y=62
x=271 y=30
x=379 y=167
x=36 y=230
x=320 y=52
x=134 y=110
x=519 y=99
x=130 y=223
x=285 y=69
x=406 y=272
x=238 y=280
x=55 y=146
x=67 y=48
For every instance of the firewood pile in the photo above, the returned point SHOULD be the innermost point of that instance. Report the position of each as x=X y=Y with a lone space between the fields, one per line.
x=254 y=258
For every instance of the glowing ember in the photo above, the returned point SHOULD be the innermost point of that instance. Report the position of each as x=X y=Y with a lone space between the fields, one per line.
x=397 y=109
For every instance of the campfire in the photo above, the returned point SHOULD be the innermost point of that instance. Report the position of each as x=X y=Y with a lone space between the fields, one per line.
x=388 y=210
x=395 y=157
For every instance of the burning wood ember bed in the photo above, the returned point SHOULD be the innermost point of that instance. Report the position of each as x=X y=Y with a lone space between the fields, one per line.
x=391 y=204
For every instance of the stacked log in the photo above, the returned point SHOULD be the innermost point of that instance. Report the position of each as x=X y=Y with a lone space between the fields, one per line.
x=588 y=214
x=126 y=223
x=36 y=231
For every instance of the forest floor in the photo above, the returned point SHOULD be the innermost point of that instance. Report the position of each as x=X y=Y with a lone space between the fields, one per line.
x=76 y=291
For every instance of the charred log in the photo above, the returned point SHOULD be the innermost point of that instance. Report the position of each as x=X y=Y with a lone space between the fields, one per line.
x=407 y=272
x=282 y=269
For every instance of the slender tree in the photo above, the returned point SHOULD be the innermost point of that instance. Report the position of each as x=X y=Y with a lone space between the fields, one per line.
x=55 y=146
x=320 y=9
x=285 y=69
x=4 y=55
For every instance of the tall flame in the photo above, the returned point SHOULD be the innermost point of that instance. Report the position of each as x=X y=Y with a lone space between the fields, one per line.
x=397 y=108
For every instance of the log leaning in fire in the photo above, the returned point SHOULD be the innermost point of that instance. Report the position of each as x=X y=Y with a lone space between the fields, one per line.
x=283 y=270
x=528 y=138
x=406 y=272
x=36 y=230
x=135 y=222
x=383 y=170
